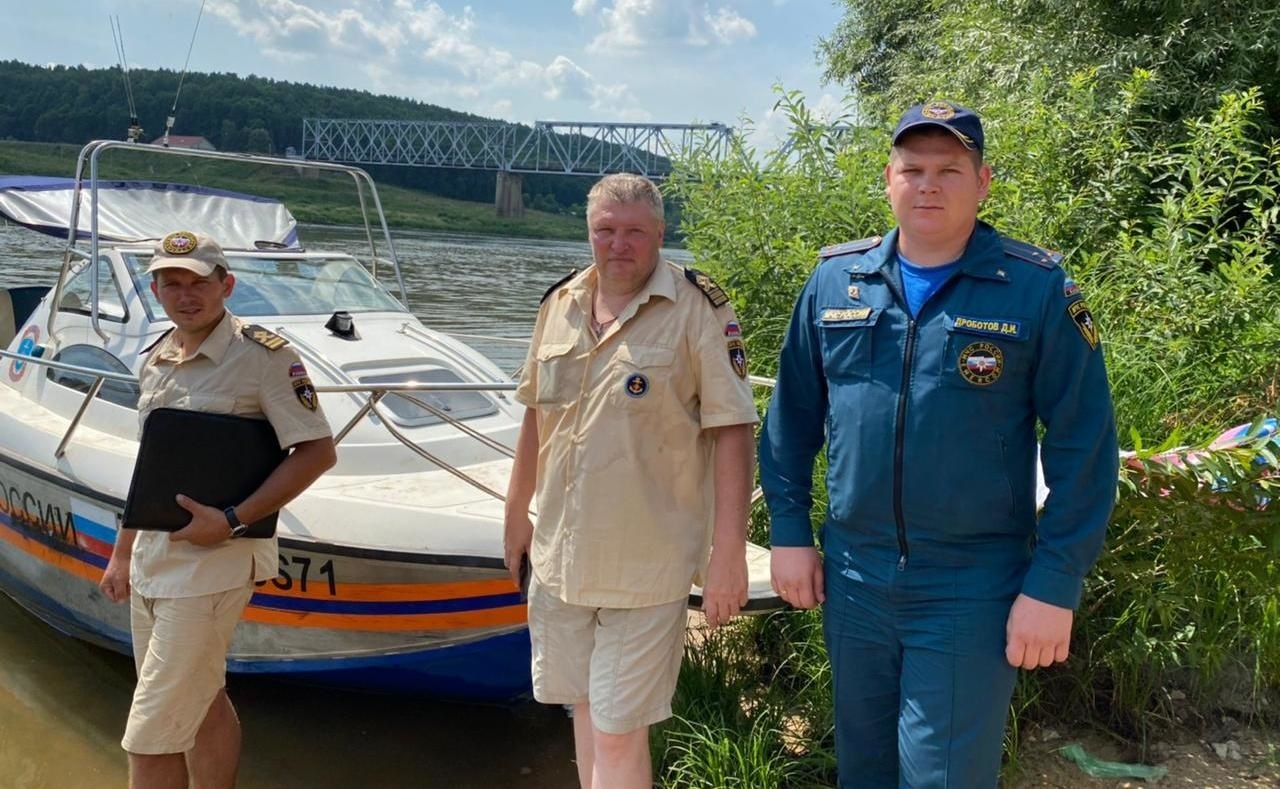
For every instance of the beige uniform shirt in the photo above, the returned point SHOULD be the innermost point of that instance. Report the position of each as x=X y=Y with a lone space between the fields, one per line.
x=229 y=374
x=625 y=491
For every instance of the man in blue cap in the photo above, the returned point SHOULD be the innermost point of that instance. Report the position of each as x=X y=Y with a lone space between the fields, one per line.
x=925 y=360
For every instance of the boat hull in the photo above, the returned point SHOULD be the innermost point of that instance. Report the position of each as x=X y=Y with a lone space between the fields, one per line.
x=450 y=627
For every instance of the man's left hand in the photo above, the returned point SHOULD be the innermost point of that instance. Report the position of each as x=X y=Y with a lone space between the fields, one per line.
x=208 y=525
x=725 y=592
x=1037 y=634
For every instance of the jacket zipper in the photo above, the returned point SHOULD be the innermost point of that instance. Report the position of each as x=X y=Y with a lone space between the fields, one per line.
x=899 y=440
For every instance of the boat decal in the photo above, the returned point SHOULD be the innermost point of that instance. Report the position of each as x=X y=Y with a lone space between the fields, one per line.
x=462 y=620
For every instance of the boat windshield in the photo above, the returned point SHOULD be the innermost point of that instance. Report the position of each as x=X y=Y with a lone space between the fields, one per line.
x=287 y=285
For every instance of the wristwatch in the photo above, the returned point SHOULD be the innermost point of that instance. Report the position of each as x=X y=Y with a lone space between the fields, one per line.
x=237 y=528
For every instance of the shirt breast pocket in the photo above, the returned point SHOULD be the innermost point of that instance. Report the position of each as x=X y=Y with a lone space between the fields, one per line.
x=846 y=336
x=555 y=382
x=997 y=359
x=640 y=376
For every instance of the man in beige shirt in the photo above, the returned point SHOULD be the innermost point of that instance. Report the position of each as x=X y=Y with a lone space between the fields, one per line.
x=188 y=589
x=637 y=438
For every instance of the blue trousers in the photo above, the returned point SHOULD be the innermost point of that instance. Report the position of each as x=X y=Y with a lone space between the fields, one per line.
x=920 y=679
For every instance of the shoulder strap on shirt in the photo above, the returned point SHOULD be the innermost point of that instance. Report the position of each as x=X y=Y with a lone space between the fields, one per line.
x=158 y=340
x=558 y=284
x=861 y=245
x=264 y=337
x=1031 y=253
x=708 y=287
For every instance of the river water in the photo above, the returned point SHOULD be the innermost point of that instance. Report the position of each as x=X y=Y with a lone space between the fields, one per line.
x=63 y=703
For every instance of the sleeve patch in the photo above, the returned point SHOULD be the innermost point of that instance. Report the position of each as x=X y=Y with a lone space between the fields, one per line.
x=861 y=245
x=264 y=337
x=708 y=287
x=558 y=284
x=738 y=356
x=1084 y=322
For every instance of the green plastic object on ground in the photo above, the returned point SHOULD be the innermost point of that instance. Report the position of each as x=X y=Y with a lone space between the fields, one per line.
x=1100 y=768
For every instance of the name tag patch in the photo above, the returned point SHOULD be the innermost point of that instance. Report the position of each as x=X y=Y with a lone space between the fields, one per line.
x=855 y=314
x=992 y=327
x=981 y=363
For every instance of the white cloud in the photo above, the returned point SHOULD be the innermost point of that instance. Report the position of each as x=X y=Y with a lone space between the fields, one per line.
x=416 y=47
x=636 y=24
x=583 y=7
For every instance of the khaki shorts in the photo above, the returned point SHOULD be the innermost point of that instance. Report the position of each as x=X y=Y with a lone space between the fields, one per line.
x=180 y=647
x=625 y=661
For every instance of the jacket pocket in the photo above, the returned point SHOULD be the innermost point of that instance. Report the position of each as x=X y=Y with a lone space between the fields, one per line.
x=555 y=380
x=846 y=336
x=640 y=377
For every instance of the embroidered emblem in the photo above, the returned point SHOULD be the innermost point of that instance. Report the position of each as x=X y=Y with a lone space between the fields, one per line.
x=994 y=327
x=738 y=357
x=1084 y=322
x=179 y=243
x=297 y=370
x=306 y=393
x=708 y=287
x=732 y=329
x=938 y=111
x=1070 y=289
x=981 y=363
x=833 y=316
x=855 y=292
x=264 y=337
x=637 y=385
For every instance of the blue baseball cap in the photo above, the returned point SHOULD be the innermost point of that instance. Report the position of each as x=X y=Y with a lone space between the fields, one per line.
x=960 y=121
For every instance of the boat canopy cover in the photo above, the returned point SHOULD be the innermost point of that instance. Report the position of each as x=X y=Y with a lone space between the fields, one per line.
x=134 y=211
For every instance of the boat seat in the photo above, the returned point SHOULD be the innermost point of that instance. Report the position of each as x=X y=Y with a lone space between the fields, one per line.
x=8 y=321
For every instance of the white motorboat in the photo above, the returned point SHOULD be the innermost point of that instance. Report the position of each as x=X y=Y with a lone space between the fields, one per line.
x=391 y=573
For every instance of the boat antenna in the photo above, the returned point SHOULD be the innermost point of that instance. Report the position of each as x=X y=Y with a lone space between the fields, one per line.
x=173 y=111
x=117 y=36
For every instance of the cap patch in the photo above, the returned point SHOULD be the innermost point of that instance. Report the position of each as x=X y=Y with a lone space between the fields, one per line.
x=179 y=243
x=981 y=363
x=1084 y=322
x=738 y=357
x=637 y=385
x=938 y=111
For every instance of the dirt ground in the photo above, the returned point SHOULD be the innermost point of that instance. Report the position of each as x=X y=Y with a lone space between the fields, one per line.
x=1234 y=758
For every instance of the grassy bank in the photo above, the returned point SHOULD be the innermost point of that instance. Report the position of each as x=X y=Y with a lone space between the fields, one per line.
x=318 y=198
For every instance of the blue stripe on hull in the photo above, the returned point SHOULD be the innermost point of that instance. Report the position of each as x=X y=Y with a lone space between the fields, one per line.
x=489 y=670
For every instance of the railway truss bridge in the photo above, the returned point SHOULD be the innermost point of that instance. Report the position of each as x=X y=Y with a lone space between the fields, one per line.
x=564 y=147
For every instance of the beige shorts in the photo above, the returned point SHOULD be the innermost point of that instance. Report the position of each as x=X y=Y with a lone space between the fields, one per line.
x=625 y=661
x=180 y=647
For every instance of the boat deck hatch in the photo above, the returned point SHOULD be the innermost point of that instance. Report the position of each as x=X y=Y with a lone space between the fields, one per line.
x=458 y=405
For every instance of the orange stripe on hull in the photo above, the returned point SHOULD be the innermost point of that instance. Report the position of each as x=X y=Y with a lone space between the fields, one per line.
x=460 y=620
x=44 y=553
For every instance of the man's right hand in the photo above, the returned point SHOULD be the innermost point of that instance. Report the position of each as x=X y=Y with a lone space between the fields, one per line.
x=115 y=580
x=796 y=573
x=517 y=534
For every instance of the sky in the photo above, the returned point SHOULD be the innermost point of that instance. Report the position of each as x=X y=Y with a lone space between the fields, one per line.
x=660 y=61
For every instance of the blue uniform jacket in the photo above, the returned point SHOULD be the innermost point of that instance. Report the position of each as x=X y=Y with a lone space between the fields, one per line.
x=930 y=424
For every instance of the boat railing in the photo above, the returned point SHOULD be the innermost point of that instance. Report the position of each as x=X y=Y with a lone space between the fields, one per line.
x=375 y=392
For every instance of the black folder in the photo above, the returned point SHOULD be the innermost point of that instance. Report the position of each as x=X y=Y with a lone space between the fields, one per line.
x=215 y=459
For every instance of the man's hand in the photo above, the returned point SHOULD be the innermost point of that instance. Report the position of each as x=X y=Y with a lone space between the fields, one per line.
x=115 y=579
x=208 y=525
x=796 y=573
x=517 y=534
x=725 y=592
x=1038 y=634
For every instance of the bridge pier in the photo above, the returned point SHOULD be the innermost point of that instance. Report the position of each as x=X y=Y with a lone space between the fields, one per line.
x=508 y=197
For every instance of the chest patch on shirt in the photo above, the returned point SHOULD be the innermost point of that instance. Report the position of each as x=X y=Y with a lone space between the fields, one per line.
x=981 y=363
x=1084 y=322
x=834 y=316
x=738 y=357
x=991 y=327
x=305 y=392
x=637 y=385
x=264 y=337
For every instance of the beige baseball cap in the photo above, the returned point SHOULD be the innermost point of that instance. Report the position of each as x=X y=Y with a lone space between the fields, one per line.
x=192 y=251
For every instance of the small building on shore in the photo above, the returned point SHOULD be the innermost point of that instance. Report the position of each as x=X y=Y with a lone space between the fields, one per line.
x=186 y=141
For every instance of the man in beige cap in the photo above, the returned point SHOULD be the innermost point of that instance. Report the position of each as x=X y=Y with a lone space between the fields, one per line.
x=188 y=589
